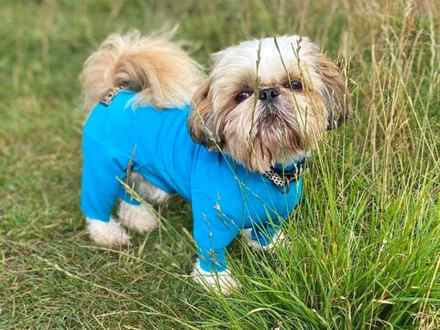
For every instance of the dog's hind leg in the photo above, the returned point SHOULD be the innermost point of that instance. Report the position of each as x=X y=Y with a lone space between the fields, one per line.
x=141 y=216
x=108 y=233
x=99 y=192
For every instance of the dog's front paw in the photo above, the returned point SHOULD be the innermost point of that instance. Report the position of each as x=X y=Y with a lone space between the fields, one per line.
x=108 y=234
x=278 y=239
x=137 y=217
x=222 y=282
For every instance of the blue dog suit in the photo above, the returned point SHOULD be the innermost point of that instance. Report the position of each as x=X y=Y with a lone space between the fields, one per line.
x=156 y=143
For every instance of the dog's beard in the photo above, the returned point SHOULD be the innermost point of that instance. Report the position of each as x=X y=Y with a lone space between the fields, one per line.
x=264 y=135
x=277 y=136
x=272 y=116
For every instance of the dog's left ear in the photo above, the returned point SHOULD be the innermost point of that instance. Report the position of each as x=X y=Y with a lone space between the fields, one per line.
x=335 y=93
x=200 y=122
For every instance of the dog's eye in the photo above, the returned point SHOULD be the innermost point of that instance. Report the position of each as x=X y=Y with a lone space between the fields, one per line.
x=243 y=95
x=295 y=85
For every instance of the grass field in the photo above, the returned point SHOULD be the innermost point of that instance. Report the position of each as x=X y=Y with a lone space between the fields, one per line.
x=365 y=250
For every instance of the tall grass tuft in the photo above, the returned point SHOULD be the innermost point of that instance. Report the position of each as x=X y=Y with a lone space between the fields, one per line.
x=365 y=244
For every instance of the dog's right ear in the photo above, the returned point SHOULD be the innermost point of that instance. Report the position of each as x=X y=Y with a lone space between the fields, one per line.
x=201 y=120
x=336 y=95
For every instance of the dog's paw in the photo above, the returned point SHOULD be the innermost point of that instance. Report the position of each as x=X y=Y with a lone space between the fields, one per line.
x=278 y=239
x=108 y=234
x=222 y=282
x=137 y=217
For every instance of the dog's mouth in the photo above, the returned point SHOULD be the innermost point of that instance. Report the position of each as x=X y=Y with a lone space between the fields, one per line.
x=276 y=131
x=271 y=115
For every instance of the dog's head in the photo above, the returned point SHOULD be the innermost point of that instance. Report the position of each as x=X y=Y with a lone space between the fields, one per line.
x=268 y=101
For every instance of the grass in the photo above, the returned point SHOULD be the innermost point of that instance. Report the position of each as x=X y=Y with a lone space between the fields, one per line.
x=365 y=250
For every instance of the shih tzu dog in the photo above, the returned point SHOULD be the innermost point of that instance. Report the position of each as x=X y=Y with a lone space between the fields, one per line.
x=232 y=144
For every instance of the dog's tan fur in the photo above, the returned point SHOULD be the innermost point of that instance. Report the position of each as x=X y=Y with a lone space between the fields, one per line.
x=160 y=70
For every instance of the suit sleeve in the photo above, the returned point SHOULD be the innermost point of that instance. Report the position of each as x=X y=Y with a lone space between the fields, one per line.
x=100 y=182
x=213 y=231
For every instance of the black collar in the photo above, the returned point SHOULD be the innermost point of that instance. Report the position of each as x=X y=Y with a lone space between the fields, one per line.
x=282 y=177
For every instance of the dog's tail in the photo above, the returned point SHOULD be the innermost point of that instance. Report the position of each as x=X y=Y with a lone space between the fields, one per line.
x=160 y=70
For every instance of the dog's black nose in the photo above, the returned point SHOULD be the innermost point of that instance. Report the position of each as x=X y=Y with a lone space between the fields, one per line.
x=268 y=94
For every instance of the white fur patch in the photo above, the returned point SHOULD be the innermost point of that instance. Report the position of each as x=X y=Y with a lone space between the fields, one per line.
x=293 y=53
x=146 y=190
x=222 y=282
x=137 y=217
x=279 y=238
x=107 y=233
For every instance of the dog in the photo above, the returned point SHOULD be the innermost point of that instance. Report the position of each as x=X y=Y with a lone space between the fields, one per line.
x=233 y=144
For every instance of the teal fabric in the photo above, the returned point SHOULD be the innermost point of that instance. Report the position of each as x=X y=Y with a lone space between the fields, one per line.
x=225 y=197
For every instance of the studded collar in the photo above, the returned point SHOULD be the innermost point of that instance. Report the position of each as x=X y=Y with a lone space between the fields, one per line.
x=108 y=96
x=282 y=177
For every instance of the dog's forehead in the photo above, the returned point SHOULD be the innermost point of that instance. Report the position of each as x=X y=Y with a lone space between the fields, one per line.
x=274 y=56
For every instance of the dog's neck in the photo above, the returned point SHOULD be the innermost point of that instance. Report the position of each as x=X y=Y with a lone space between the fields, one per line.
x=292 y=161
x=281 y=175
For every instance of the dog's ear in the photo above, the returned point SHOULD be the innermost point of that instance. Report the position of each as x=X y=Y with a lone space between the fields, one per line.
x=335 y=93
x=200 y=122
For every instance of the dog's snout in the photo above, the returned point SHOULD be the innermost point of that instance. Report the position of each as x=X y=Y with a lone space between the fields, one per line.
x=268 y=94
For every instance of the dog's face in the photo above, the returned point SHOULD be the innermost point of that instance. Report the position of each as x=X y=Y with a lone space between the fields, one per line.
x=268 y=101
